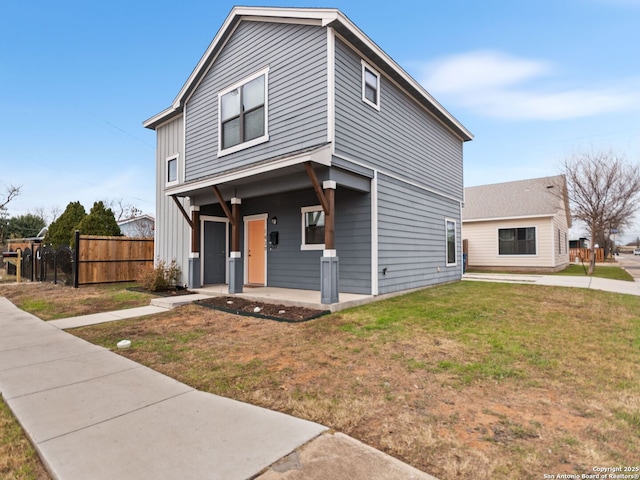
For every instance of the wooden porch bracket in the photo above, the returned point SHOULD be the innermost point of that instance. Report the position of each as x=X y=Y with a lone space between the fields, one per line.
x=183 y=211
x=316 y=186
x=223 y=204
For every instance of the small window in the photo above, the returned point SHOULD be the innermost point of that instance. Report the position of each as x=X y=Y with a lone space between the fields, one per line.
x=370 y=86
x=243 y=114
x=312 y=228
x=451 y=243
x=172 y=170
x=517 y=241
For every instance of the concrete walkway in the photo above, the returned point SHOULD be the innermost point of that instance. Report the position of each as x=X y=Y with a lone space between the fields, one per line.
x=92 y=413
x=594 y=283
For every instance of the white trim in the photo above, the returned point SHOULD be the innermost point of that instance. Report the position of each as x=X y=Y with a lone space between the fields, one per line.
x=516 y=255
x=376 y=104
x=331 y=253
x=245 y=220
x=256 y=141
x=303 y=245
x=235 y=255
x=225 y=220
x=331 y=88
x=321 y=156
x=329 y=184
x=236 y=201
x=498 y=219
x=194 y=208
x=176 y=157
x=374 y=233
x=194 y=254
x=455 y=241
x=183 y=168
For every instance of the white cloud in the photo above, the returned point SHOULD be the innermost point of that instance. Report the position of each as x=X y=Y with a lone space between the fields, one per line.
x=498 y=85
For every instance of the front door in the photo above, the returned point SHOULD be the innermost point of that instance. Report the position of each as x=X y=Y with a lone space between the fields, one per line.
x=256 y=231
x=215 y=252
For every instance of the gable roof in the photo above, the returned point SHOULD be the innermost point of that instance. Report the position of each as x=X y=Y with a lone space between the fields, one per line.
x=537 y=197
x=324 y=17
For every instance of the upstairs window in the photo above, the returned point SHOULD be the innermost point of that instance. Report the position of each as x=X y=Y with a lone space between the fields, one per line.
x=370 y=86
x=172 y=170
x=243 y=114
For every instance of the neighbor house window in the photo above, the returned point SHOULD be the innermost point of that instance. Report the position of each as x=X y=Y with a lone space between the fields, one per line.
x=172 y=170
x=243 y=114
x=451 y=242
x=370 y=86
x=517 y=241
x=312 y=228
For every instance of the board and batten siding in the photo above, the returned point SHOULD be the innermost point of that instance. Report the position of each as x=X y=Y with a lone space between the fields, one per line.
x=412 y=237
x=483 y=243
x=172 y=233
x=297 y=94
x=401 y=138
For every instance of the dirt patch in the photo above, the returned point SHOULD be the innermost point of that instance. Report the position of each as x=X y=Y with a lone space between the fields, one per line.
x=244 y=306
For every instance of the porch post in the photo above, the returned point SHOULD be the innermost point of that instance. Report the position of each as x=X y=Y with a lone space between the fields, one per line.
x=193 y=280
x=329 y=260
x=236 y=270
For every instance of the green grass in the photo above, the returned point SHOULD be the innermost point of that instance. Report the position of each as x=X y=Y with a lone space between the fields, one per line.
x=18 y=459
x=601 y=271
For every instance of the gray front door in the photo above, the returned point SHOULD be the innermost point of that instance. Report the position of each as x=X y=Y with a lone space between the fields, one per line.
x=215 y=252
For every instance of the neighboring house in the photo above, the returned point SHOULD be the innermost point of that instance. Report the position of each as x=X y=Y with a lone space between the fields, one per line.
x=521 y=225
x=300 y=155
x=140 y=226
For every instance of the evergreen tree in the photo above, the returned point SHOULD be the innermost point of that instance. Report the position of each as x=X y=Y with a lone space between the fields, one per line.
x=61 y=232
x=100 y=221
x=24 y=226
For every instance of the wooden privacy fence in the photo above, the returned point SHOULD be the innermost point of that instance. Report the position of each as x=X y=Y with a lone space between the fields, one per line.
x=110 y=259
x=584 y=255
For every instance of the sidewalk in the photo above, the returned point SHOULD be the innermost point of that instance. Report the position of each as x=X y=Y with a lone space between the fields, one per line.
x=92 y=413
x=593 y=283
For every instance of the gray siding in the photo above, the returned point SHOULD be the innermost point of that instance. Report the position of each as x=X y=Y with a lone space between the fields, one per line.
x=401 y=139
x=172 y=234
x=296 y=56
x=412 y=237
x=290 y=267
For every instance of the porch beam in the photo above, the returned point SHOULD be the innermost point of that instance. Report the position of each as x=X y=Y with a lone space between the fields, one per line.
x=223 y=204
x=182 y=210
x=316 y=186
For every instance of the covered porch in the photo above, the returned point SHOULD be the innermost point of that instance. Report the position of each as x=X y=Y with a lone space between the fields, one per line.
x=290 y=296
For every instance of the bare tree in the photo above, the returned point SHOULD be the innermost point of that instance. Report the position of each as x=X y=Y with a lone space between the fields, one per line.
x=12 y=192
x=603 y=190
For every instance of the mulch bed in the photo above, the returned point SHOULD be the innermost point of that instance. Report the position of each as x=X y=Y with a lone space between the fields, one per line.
x=244 y=306
x=172 y=292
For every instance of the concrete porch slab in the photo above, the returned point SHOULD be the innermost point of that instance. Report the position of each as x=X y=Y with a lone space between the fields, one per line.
x=290 y=296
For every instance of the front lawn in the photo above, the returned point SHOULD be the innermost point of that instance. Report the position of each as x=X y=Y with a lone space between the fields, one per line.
x=469 y=380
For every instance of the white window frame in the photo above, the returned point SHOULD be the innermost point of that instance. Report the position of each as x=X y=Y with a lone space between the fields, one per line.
x=366 y=66
x=455 y=241
x=303 y=244
x=255 y=141
x=168 y=160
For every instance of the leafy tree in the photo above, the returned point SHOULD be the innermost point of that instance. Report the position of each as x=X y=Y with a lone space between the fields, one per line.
x=61 y=231
x=603 y=190
x=100 y=221
x=24 y=226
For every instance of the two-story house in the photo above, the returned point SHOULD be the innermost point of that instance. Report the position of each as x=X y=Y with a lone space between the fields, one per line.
x=299 y=155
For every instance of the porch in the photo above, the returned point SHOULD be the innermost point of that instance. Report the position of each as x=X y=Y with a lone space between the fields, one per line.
x=289 y=296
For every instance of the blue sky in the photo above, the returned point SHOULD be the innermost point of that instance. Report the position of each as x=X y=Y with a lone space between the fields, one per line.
x=534 y=81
